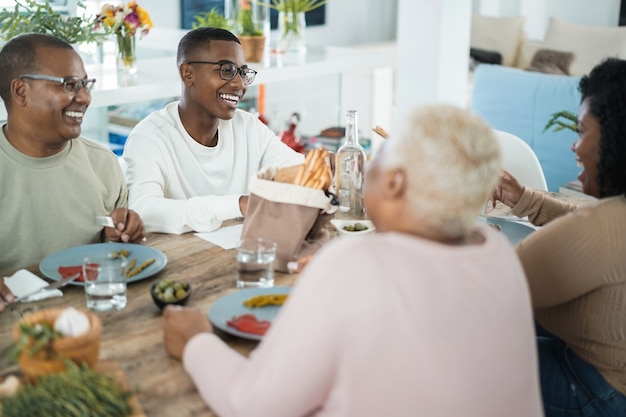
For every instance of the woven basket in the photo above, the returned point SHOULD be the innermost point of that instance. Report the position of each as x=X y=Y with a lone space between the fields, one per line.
x=82 y=349
x=253 y=47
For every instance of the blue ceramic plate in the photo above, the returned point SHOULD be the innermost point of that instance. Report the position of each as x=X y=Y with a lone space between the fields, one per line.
x=512 y=230
x=231 y=305
x=74 y=256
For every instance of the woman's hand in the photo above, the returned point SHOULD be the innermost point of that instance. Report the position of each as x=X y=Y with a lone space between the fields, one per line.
x=181 y=324
x=296 y=267
x=508 y=190
x=129 y=227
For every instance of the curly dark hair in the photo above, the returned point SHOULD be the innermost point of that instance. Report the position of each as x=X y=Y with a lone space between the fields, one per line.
x=201 y=38
x=19 y=56
x=605 y=90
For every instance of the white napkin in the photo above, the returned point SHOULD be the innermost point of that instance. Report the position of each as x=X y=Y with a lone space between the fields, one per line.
x=226 y=237
x=24 y=282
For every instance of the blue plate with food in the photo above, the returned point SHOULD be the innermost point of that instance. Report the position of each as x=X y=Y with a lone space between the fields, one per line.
x=514 y=231
x=247 y=313
x=147 y=261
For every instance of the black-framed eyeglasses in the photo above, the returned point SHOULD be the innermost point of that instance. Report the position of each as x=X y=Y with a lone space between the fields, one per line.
x=228 y=71
x=71 y=85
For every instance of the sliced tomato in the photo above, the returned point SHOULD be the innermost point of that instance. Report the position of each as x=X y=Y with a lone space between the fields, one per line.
x=248 y=323
x=68 y=271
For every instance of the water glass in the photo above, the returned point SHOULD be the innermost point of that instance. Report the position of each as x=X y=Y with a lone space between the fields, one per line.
x=255 y=263
x=105 y=282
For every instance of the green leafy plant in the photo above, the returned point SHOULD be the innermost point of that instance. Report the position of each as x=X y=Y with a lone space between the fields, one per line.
x=213 y=19
x=246 y=23
x=557 y=124
x=295 y=6
x=34 y=17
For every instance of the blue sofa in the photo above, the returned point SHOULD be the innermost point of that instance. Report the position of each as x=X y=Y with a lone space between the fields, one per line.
x=521 y=102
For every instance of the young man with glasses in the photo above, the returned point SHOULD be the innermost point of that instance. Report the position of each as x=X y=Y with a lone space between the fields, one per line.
x=189 y=164
x=54 y=182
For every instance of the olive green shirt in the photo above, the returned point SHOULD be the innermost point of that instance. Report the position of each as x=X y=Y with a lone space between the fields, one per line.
x=49 y=204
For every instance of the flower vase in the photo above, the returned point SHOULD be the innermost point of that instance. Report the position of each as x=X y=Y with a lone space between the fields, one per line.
x=126 y=55
x=291 y=27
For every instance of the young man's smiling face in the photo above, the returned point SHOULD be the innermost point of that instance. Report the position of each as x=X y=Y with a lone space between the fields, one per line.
x=215 y=95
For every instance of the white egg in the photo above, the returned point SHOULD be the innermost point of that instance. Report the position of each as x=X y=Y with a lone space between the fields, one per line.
x=72 y=323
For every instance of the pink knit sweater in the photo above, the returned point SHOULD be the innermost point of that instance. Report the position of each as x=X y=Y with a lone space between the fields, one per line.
x=387 y=325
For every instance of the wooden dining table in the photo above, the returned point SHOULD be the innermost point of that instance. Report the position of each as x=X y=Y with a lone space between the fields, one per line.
x=133 y=337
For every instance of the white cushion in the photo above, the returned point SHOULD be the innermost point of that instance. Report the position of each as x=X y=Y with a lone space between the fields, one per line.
x=527 y=51
x=499 y=34
x=590 y=44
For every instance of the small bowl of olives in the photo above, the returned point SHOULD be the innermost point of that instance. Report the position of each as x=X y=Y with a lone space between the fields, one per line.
x=353 y=227
x=167 y=291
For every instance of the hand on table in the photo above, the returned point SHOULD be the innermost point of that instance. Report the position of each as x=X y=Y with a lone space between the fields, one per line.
x=297 y=266
x=129 y=227
x=5 y=294
x=508 y=190
x=181 y=324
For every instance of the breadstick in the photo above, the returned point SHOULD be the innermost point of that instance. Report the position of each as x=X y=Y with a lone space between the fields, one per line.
x=140 y=268
x=382 y=132
x=307 y=160
x=298 y=177
x=131 y=264
x=309 y=168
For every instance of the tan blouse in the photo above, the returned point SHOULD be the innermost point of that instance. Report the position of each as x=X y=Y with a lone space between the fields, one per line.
x=576 y=271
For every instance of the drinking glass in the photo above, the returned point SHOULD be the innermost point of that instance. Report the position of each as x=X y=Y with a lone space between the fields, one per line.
x=255 y=263
x=105 y=281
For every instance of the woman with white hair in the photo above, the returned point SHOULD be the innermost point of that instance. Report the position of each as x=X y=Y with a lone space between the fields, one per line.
x=431 y=316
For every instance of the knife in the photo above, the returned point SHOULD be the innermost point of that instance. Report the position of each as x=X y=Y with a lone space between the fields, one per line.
x=57 y=284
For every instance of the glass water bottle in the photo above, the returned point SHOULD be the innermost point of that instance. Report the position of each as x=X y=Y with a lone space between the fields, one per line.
x=350 y=174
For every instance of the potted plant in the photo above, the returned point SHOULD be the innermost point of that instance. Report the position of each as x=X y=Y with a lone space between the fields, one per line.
x=250 y=31
x=244 y=24
x=211 y=18
x=33 y=17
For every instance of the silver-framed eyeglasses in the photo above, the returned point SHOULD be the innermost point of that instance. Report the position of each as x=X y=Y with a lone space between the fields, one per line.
x=228 y=71
x=71 y=85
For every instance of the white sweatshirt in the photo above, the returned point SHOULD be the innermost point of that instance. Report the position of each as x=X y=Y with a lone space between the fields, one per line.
x=178 y=185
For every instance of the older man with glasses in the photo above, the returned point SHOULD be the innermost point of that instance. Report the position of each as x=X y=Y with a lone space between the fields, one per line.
x=54 y=182
x=189 y=164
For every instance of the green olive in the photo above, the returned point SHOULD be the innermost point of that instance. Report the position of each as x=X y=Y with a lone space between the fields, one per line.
x=356 y=227
x=170 y=291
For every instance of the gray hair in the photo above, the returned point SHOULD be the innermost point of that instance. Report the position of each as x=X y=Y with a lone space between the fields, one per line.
x=451 y=159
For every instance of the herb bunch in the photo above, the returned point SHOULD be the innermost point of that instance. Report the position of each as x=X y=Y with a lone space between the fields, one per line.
x=39 y=337
x=77 y=391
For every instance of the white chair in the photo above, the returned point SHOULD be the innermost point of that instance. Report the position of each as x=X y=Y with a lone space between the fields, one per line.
x=519 y=159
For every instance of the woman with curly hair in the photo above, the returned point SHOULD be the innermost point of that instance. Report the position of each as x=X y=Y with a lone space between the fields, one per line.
x=576 y=264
